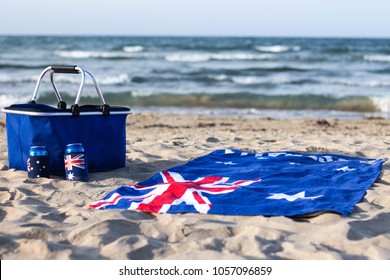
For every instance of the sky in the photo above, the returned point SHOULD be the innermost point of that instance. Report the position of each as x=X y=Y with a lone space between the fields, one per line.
x=303 y=18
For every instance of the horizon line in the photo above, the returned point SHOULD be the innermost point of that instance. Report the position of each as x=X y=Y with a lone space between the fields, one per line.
x=198 y=35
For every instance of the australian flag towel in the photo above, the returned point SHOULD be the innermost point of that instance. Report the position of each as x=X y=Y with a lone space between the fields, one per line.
x=233 y=182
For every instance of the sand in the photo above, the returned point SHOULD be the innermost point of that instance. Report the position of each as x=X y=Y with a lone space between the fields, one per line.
x=50 y=219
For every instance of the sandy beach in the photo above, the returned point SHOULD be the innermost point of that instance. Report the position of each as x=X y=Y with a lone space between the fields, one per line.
x=50 y=219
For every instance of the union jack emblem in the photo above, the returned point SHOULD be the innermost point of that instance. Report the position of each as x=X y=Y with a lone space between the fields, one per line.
x=173 y=191
x=76 y=161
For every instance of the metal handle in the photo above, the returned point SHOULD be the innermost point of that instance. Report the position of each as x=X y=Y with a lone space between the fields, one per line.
x=35 y=94
x=99 y=92
x=67 y=70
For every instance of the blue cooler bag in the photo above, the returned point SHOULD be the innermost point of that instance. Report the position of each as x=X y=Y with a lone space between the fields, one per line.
x=101 y=129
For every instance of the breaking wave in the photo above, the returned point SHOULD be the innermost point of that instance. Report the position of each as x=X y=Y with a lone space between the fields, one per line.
x=103 y=80
x=7 y=100
x=200 y=57
x=382 y=103
x=239 y=100
x=377 y=58
x=132 y=49
x=277 y=48
x=78 y=54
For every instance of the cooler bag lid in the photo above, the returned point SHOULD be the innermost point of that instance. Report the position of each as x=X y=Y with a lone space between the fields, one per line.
x=34 y=109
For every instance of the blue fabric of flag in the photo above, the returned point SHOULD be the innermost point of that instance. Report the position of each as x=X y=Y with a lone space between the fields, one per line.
x=234 y=182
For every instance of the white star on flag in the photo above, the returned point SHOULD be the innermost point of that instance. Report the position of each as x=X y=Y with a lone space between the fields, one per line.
x=70 y=176
x=227 y=163
x=293 y=197
x=345 y=169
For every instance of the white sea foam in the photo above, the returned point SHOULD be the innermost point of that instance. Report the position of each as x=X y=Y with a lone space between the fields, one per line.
x=132 y=49
x=218 y=77
x=141 y=93
x=67 y=79
x=102 y=80
x=277 y=48
x=382 y=103
x=7 y=100
x=187 y=57
x=252 y=80
x=200 y=57
x=115 y=80
x=4 y=78
x=377 y=58
x=248 y=80
x=77 y=54
x=241 y=56
x=250 y=113
x=74 y=54
x=372 y=83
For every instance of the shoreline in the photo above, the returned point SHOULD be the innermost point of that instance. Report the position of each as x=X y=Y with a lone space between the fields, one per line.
x=249 y=113
x=256 y=113
x=50 y=219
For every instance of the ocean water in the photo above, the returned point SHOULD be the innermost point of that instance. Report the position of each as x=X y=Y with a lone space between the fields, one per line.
x=251 y=77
